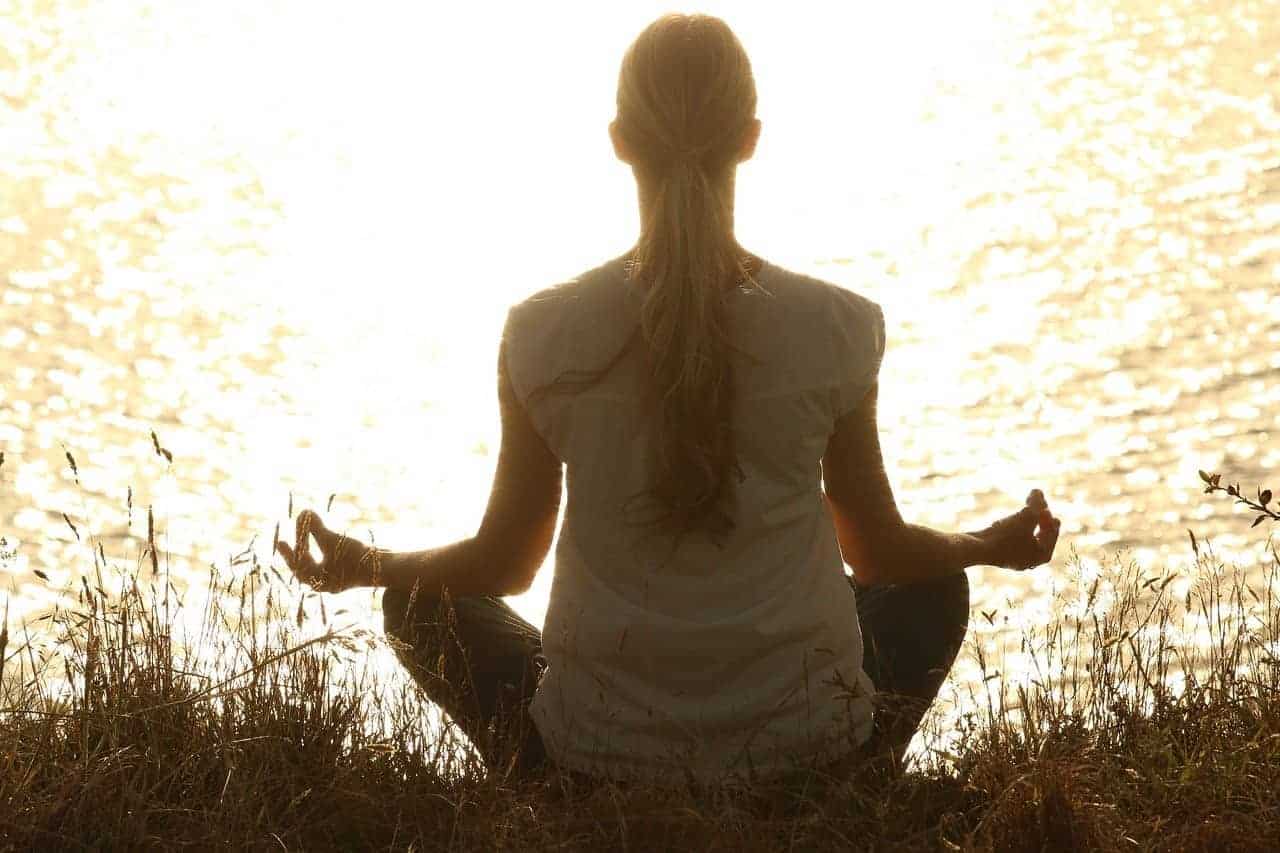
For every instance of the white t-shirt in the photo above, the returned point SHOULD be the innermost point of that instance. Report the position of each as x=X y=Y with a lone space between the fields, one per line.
x=746 y=660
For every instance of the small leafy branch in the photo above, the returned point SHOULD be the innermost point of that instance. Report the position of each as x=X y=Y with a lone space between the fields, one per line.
x=1260 y=506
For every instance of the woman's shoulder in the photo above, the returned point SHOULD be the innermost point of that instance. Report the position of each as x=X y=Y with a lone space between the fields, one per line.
x=804 y=295
x=576 y=316
x=811 y=293
x=586 y=286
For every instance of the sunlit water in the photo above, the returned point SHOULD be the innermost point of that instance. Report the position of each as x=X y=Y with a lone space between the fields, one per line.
x=283 y=236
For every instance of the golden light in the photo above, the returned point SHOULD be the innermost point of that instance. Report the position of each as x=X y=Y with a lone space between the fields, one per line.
x=284 y=234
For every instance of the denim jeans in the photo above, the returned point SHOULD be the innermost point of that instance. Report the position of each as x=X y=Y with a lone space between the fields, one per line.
x=480 y=662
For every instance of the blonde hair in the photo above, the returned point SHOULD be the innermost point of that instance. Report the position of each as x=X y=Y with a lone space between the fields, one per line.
x=686 y=97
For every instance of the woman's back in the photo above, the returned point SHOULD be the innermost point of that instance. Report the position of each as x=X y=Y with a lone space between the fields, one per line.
x=719 y=635
x=699 y=651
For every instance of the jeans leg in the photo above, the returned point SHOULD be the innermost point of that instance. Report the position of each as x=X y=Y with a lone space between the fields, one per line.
x=911 y=634
x=479 y=661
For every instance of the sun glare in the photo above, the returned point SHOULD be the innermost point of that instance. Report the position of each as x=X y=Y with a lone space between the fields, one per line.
x=283 y=236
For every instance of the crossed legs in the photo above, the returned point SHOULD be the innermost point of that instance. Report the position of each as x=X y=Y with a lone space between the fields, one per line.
x=481 y=662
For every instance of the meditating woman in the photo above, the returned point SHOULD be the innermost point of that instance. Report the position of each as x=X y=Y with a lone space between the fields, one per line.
x=715 y=417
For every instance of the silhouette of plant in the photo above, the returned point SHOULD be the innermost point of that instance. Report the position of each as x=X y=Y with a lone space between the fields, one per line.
x=1260 y=506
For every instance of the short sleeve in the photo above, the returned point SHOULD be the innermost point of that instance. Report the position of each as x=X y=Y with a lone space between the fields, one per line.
x=526 y=334
x=515 y=349
x=858 y=348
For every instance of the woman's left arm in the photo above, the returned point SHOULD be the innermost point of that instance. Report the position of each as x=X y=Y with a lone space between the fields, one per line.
x=501 y=559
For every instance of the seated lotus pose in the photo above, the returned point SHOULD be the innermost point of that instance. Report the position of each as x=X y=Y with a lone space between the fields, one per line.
x=715 y=417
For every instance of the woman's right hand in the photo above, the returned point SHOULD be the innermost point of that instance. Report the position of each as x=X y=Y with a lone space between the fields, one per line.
x=1025 y=539
x=346 y=562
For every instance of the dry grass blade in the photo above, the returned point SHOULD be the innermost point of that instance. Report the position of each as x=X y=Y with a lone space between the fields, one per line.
x=258 y=736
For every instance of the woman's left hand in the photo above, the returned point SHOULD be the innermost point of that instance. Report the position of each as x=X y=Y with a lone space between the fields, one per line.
x=346 y=563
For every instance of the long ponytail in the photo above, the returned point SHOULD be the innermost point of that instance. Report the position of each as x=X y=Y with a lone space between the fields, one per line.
x=686 y=96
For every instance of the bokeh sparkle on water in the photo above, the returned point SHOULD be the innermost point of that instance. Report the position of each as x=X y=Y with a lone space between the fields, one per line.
x=282 y=236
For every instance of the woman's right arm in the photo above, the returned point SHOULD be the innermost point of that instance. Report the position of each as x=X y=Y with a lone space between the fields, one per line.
x=882 y=548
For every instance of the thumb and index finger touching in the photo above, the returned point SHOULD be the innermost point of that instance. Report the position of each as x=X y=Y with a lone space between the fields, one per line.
x=1049 y=526
x=1034 y=531
x=307 y=524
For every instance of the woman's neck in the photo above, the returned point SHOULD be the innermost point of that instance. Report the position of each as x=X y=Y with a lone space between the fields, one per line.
x=752 y=262
x=646 y=190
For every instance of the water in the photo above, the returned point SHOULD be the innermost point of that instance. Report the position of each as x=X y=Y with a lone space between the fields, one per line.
x=284 y=237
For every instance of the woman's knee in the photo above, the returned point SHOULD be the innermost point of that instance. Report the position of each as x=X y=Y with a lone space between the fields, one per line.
x=955 y=591
x=394 y=604
x=398 y=606
x=414 y=619
x=951 y=608
x=939 y=610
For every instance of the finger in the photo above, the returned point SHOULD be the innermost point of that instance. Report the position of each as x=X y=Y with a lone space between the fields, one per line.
x=316 y=523
x=301 y=530
x=299 y=562
x=324 y=537
x=1048 y=537
x=1045 y=519
x=295 y=561
x=308 y=525
x=1036 y=501
x=1027 y=517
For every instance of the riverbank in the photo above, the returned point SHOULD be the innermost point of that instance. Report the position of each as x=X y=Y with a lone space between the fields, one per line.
x=1147 y=718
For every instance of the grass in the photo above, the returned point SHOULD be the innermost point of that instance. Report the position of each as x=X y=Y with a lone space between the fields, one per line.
x=1148 y=719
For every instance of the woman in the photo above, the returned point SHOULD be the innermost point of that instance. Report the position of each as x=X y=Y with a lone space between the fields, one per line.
x=716 y=415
